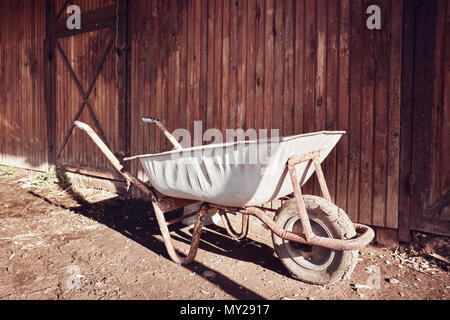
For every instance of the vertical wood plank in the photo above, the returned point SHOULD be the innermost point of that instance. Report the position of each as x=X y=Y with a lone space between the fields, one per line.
x=278 y=74
x=196 y=38
x=190 y=110
x=203 y=63
x=332 y=83
x=250 y=65
x=289 y=79
x=225 y=64
x=445 y=126
x=310 y=76
x=184 y=86
x=356 y=24
x=422 y=117
x=232 y=73
x=395 y=71
x=268 y=63
x=242 y=64
x=342 y=148
x=406 y=119
x=382 y=64
x=260 y=65
x=299 y=66
x=211 y=83
x=218 y=64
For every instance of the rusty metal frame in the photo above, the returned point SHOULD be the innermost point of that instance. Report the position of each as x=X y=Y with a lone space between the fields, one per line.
x=308 y=237
x=160 y=206
x=226 y=222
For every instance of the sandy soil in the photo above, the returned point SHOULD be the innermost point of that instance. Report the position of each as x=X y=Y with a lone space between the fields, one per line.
x=91 y=244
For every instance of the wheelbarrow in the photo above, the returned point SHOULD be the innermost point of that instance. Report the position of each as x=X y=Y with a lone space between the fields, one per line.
x=314 y=239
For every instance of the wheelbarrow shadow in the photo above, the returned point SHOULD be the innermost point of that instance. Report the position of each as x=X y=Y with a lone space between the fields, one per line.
x=135 y=219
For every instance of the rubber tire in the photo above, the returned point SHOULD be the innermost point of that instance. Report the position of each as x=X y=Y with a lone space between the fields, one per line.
x=337 y=223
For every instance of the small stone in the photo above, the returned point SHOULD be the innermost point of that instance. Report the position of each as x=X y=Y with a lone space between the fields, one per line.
x=387 y=262
x=401 y=294
x=204 y=292
x=393 y=281
x=361 y=286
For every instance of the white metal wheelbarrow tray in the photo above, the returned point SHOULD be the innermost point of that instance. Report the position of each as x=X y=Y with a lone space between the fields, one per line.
x=314 y=239
x=235 y=174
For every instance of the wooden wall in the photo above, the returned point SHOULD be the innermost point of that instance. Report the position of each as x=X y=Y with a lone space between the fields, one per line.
x=294 y=65
x=299 y=66
x=440 y=170
x=23 y=135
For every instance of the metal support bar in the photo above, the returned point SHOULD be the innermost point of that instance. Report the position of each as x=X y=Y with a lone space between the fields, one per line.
x=196 y=233
x=365 y=237
x=165 y=131
x=300 y=203
x=321 y=178
x=229 y=227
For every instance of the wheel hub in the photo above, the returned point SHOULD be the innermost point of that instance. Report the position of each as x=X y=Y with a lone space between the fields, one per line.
x=309 y=257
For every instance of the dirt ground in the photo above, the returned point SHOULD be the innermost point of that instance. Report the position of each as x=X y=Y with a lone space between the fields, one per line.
x=91 y=244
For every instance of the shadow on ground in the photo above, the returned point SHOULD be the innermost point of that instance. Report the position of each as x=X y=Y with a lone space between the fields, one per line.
x=135 y=220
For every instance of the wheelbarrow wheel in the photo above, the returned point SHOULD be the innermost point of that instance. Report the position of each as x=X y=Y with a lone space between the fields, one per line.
x=314 y=264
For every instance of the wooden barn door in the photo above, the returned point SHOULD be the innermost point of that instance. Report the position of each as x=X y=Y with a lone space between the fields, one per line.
x=88 y=83
x=425 y=123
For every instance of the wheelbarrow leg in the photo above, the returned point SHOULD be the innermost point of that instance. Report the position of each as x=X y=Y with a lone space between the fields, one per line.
x=229 y=228
x=200 y=218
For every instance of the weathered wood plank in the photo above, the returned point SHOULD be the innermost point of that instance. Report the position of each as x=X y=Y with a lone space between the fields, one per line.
x=299 y=66
x=211 y=80
x=342 y=148
x=259 y=74
x=279 y=68
x=395 y=72
x=310 y=76
x=268 y=63
x=330 y=101
x=381 y=113
x=225 y=65
x=218 y=47
x=250 y=65
x=241 y=63
x=353 y=185
x=289 y=68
